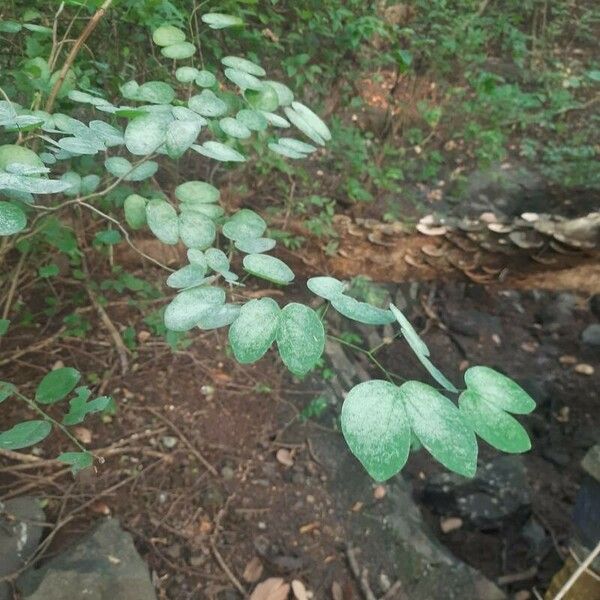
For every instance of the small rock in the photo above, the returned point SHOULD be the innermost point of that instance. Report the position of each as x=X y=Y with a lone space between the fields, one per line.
x=584 y=369
x=379 y=492
x=595 y=305
x=591 y=335
x=450 y=524
x=284 y=457
x=299 y=590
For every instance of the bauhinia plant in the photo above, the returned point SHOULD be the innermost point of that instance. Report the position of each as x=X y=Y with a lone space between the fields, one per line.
x=219 y=118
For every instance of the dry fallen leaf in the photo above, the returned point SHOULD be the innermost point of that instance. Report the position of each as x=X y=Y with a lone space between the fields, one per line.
x=299 y=590
x=450 y=524
x=273 y=588
x=309 y=527
x=357 y=506
x=379 y=492
x=463 y=366
x=529 y=346
x=336 y=591
x=584 y=369
x=253 y=570
x=284 y=457
x=567 y=359
x=83 y=434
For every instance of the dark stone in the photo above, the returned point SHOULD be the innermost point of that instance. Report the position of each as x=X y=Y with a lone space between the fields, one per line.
x=595 y=305
x=473 y=323
x=20 y=534
x=104 y=565
x=591 y=335
x=556 y=312
x=556 y=455
x=498 y=495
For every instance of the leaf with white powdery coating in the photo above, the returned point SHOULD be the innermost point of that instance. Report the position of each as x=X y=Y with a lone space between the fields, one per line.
x=254 y=330
x=269 y=268
x=376 y=428
x=188 y=308
x=440 y=427
x=300 y=338
x=163 y=222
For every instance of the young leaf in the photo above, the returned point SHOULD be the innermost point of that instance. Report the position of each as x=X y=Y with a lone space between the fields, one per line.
x=188 y=308
x=440 y=427
x=163 y=222
x=57 y=384
x=197 y=191
x=4 y=325
x=12 y=219
x=285 y=151
x=79 y=407
x=269 y=268
x=499 y=390
x=76 y=460
x=376 y=429
x=300 y=338
x=492 y=424
x=254 y=330
x=297 y=120
x=24 y=434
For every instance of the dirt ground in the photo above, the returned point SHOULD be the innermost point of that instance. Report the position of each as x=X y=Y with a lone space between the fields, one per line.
x=210 y=464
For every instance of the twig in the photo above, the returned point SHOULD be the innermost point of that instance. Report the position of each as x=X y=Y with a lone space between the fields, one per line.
x=580 y=569
x=15 y=355
x=13 y=285
x=89 y=28
x=360 y=575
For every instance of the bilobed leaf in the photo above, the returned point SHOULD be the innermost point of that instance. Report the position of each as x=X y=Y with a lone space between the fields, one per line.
x=326 y=287
x=163 y=222
x=300 y=338
x=244 y=225
x=495 y=426
x=188 y=308
x=12 y=219
x=32 y=185
x=186 y=277
x=166 y=35
x=376 y=427
x=269 y=268
x=440 y=427
x=76 y=460
x=179 y=51
x=233 y=128
x=196 y=230
x=255 y=245
x=243 y=64
x=197 y=191
x=117 y=166
x=207 y=104
x=219 y=152
x=220 y=20
x=57 y=384
x=79 y=407
x=499 y=390
x=254 y=330
x=220 y=317
x=180 y=136
x=361 y=311
x=134 y=207
x=89 y=183
x=24 y=434
x=6 y=390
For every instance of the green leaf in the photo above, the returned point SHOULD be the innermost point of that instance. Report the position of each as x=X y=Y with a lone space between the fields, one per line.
x=186 y=74
x=492 y=424
x=244 y=225
x=24 y=434
x=326 y=287
x=285 y=151
x=196 y=257
x=275 y=119
x=79 y=407
x=219 y=151
x=375 y=426
x=440 y=427
x=33 y=185
x=243 y=64
x=252 y=119
x=197 y=191
x=134 y=207
x=255 y=245
x=436 y=373
x=145 y=134
x=205 y=79
x=296 y=145
x=111 y=136
x=285 y=96
x=498 y=390
x=78 y=145
x=163 y=222
x=212 y=211
x=207 y=104
x=233 y=128
x=254 y=330
x=180 y=136
x=220 y=20
x=217 y=260
x=76 y=460
x=109 y=237
x=89 y=184
x=264 y=99
x=361 y=311
x=12 y=219
x=6 y=390
x=179 y=51
x=187 y=276
x=57 y=384
x=300 y=338
x=10 y=27
x=243 y=80
x=269 y=268
x=313 y=120
x=4 y=325
x=188 y=308
x=183 y=113
x=166 y=35
x=155 y=92
x=50 y=270
x=297 y=120
x=196 y=230
x=220 y=317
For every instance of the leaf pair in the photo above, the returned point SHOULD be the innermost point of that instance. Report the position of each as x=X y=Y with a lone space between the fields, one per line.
x=297 y=329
